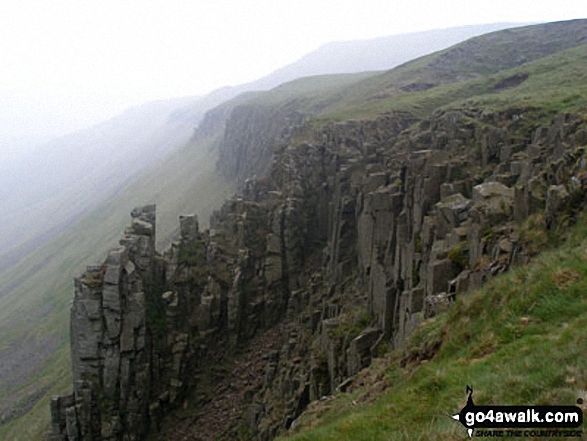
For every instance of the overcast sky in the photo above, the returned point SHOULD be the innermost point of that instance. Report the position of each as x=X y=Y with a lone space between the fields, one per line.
x=66 y=64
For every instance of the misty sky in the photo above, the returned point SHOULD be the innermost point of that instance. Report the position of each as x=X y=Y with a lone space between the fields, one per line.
x=66 y=64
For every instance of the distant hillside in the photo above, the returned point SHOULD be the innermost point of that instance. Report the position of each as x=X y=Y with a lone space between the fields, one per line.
x=478 y=57
x=374 y=54
x=464 y=69
x=522 y=64
x=53 y=185
x=353 y=57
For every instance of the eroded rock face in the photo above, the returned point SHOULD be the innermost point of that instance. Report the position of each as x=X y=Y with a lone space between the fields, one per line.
x=416 y=218
x=252 y=134
x=110 y=345
x=349 y=239
x=128 y=353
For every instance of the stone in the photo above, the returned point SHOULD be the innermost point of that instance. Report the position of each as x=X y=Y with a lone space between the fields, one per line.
x=188 y=226
x=359 y=351
x=491 y=145
x=374 y=181
x=521 y=208
x=490 y=190
x=416 y=300
x=505 y=245
x=447 y=189
x=437 y=303
x=112 y=319
x=452 y=212
x=460 y=284
x=273 y=269
x=110 y=374
x=129 y=267
x=557 y=198
x=142 y=228
x=117 y=256
x=111 y=297
x=273 y=244
x=91 y=309
x=495 y=200
x=112 y=274
x=439 y=274
x=71 y=426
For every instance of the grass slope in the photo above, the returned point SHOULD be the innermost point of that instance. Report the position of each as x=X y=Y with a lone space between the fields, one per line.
x=34 y=314
x=310 y=94
x=558 y=78
x=518 y=341
x=553 y=56
x=473 y=59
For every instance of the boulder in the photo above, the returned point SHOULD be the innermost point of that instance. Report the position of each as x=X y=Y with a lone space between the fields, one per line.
x=359 y=351
x=452 y=211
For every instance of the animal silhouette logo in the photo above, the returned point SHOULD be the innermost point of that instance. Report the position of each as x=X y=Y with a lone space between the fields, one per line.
x=474 y=417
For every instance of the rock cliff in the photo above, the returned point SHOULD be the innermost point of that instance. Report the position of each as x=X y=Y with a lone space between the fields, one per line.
x=347 y=236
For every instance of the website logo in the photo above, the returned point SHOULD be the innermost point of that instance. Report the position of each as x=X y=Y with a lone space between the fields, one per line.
x=488 y=421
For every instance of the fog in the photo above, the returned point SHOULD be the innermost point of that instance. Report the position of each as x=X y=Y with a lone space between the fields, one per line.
x=67 y=64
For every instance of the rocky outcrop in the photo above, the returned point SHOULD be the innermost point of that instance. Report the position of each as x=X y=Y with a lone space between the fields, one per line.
x=251 y=134
x=135 y=327
x=415 y=218
x=348 y=236
x=110 y=348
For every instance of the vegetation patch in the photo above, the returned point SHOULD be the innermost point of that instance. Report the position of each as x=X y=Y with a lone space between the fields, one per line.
x=459 y=256
x=351 y=323
x=192 y=253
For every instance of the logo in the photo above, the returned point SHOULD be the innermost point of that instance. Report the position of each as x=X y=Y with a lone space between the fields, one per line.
x=488 y=421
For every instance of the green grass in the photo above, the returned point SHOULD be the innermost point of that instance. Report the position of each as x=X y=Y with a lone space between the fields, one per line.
x=56 y=377
x=310 y=94
x=553 y=55
x=518 y=341
x=458 y=72
x=556 y=83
